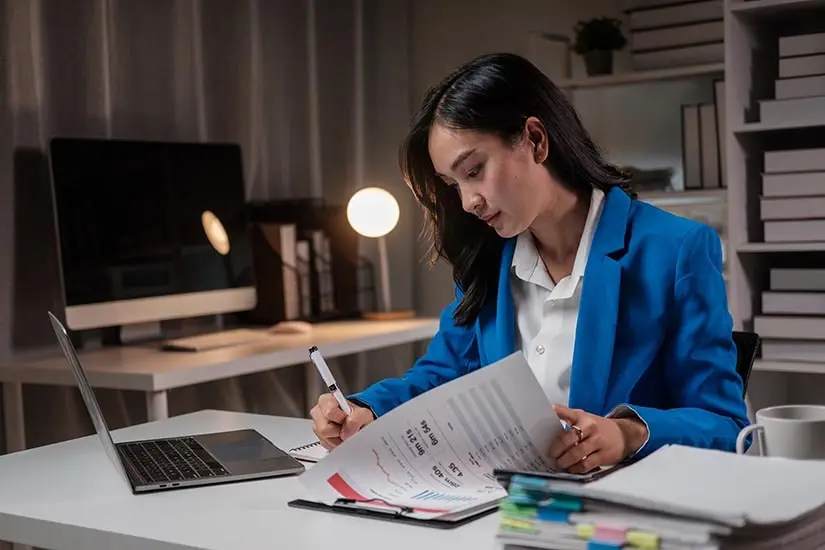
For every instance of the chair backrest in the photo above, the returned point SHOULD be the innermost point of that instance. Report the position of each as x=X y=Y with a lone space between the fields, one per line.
x=747 y=345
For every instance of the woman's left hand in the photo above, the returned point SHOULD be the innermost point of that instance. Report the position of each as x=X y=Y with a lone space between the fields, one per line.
x=594 y=441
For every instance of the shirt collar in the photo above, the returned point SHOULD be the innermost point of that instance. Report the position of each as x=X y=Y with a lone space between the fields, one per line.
x=526 y=258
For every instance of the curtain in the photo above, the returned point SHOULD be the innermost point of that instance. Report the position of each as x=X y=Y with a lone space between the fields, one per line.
x=187 y=70
x=191 y=70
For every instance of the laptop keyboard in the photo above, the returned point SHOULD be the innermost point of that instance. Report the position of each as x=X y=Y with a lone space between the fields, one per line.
x=180 y=459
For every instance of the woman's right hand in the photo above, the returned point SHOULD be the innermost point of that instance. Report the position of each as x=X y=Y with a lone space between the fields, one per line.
x=332 y=426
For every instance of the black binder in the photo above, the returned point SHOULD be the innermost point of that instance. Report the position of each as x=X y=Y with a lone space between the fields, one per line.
x=393 y=513
x=503 y=475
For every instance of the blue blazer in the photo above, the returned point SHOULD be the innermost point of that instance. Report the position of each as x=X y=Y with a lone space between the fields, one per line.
x=654 y=332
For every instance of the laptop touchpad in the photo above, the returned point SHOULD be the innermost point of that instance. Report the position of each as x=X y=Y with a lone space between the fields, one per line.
x=245 y=451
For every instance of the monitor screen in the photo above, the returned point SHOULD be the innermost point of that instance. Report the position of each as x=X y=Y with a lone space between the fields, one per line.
x=141 y=223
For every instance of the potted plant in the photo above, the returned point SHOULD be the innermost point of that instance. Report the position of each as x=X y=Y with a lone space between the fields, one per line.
x=596 y=40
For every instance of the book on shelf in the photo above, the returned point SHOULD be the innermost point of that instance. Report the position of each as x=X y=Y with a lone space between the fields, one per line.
x=702 y=147
x=674 y=34
x=719 y=103
x=792 y=203
x=680 y=56
x=790 y=327
x=807 y=65
x=658 y=16
x=802 y=44
x=797 y=110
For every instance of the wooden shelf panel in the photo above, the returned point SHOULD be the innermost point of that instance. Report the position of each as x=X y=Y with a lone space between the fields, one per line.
x=623 y=79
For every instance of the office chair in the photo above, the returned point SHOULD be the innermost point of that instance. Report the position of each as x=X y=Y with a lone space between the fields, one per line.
x=747 y=345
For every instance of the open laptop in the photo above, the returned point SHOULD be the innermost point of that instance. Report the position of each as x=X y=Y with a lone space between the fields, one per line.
x=186 y=461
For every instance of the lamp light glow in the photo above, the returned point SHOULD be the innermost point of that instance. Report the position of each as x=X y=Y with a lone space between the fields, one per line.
x=373 y=212
x=215 y=232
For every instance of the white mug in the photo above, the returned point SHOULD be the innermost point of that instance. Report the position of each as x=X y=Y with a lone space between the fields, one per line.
x=788 y=431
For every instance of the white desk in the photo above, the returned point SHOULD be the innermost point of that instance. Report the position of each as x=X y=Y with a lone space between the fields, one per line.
x=67 y=496
x=154 y=372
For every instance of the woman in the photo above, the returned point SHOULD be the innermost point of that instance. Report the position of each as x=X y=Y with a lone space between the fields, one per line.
x=620 y=308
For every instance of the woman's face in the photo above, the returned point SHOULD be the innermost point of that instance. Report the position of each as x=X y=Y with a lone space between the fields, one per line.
x=503 y=184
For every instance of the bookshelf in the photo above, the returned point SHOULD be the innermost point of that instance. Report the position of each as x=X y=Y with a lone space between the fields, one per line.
x=790 y=365
x=641 y=77
x=767 y=8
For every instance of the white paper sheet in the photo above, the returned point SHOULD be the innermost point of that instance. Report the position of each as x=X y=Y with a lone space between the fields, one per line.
x=436 y=453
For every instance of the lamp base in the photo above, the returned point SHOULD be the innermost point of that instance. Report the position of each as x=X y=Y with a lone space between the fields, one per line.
x=394 y=315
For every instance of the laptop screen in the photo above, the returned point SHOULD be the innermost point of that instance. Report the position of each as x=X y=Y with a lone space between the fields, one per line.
x=88 y=395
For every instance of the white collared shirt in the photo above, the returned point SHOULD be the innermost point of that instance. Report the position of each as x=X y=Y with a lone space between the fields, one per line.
x=547 y=313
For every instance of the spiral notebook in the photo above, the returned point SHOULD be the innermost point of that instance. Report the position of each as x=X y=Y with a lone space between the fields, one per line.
x=311 y=452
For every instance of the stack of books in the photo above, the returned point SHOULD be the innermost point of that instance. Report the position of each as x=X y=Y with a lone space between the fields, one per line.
x=703 y=142
x=800 y=89
x=792 y=206
x=676 y=498
x=792 y=323
x=673 y=33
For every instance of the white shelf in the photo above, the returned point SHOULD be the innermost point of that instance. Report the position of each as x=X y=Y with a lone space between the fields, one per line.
x=802 y=367
x=684 y=198
x=782 y=247
x=757 y=8
x=623 y=79
x=752 y=27
x=754 y=127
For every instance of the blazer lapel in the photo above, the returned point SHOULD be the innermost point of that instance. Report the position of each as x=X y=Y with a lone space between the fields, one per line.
x=598 y=307
x=497 y=322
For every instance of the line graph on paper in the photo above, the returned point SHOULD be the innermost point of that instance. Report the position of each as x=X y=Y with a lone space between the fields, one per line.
x=384 y=471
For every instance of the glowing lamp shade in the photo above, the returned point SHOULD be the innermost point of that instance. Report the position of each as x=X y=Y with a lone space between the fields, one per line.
x=215 y=232
x=373 y=212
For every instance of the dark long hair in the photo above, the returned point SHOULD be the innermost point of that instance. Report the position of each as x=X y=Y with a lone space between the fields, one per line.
x=496 y=94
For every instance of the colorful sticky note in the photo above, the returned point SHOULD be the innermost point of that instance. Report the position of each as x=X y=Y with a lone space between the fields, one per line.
x=528 y=482
x=515 y=524
x=643 y=540
x=553 y=515
x=610 y=533
x=564 y=502
x=585 y=530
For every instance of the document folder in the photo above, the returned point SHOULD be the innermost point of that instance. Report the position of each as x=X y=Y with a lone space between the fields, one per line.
x=399 y=514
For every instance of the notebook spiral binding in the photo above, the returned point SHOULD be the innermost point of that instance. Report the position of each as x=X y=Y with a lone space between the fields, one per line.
x=306 y=446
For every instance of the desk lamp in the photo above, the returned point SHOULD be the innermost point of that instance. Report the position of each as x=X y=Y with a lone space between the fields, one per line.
x=215 y=232
x=373 y=212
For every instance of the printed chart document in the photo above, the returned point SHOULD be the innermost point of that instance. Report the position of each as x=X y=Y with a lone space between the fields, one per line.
x=434 y=456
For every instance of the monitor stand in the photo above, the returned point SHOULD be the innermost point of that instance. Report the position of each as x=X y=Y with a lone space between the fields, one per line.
x=133 y=334
x=141 y=332
x=155 y=332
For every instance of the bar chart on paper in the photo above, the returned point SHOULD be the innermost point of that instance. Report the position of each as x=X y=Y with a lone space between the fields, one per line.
x=441 y=497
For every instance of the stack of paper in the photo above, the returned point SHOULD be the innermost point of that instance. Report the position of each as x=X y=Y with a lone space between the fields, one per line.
x=676 y=498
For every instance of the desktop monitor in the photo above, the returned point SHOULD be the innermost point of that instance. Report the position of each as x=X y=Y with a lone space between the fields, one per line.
x=150 y=231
